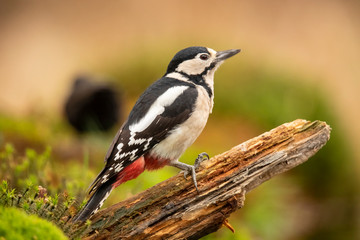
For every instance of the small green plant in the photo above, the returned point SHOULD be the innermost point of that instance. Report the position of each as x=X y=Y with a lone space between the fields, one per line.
x=20 y=188
x=53 y=208
x=26 y=171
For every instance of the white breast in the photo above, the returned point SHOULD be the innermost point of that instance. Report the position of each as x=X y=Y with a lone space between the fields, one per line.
x=183 y=136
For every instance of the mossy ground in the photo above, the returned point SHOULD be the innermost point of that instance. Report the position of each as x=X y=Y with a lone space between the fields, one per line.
x=17 y=225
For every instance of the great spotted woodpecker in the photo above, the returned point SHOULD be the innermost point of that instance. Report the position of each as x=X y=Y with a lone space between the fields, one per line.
x=166 y=119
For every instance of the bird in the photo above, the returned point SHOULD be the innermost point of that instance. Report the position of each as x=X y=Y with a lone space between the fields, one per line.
x=92 y=106
x=165 y=120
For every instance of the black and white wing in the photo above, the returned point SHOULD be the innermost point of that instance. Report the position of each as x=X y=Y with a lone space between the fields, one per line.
x=158 y=110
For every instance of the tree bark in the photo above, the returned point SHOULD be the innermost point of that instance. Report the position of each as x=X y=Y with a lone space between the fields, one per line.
x=174 y=210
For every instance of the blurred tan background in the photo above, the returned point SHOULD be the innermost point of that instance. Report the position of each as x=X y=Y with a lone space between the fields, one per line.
x=43 y=45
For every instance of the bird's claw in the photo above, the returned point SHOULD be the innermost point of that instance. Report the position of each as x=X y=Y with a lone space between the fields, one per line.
x=201 y=157
x=191 y=169
x=185 y=173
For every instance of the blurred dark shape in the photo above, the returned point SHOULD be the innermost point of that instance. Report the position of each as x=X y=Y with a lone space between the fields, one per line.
x=92 y=106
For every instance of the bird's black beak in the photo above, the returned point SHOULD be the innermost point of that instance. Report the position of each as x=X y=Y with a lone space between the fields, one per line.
x=222 y=55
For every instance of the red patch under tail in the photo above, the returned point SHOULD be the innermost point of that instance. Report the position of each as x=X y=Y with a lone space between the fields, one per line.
x=153 y=163
x=130 y=172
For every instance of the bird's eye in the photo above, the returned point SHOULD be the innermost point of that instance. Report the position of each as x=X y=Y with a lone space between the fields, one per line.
x=204 y=57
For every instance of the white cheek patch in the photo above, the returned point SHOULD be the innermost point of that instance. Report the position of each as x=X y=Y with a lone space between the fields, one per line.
x=191 y=67
x=195 y=66
x=158 y=107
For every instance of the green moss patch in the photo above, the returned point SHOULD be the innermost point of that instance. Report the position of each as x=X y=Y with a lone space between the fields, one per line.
x=17 y=225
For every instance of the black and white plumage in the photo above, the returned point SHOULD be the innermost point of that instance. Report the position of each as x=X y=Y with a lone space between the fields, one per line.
x=166 y=119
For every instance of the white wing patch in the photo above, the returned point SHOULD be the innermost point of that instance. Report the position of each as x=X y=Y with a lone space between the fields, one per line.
x=132 y=153
x=135 y=141
x=147 y=144
x=158 y=107
x=119 y=155
x=118 y=167
x=119 y=148
x=105 y=178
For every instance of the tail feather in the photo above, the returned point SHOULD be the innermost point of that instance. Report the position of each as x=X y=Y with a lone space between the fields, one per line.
x=94 y=203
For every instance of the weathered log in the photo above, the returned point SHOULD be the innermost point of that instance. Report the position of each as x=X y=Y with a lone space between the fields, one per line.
x=174 y=210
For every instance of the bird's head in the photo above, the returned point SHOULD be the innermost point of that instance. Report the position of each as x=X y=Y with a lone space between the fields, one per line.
x=198 y=60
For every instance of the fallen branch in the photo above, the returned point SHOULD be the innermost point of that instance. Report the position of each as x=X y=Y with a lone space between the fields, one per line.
x=174 y=210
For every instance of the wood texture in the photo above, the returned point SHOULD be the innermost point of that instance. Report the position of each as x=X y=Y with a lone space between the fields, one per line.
x=174 y=210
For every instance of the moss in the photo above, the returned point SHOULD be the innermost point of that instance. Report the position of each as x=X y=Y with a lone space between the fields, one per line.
x=17 y=225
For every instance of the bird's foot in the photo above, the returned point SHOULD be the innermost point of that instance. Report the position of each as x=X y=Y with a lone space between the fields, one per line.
x=201 y=157
x=191 y=169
